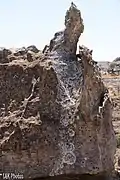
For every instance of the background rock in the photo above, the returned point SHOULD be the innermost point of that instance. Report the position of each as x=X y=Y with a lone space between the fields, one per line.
x=33 y=49
x=4 y=55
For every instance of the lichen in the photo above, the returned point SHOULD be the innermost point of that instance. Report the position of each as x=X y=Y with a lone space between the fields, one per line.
x=69 y=158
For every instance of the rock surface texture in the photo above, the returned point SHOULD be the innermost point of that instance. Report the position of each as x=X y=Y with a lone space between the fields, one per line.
x=55 y=112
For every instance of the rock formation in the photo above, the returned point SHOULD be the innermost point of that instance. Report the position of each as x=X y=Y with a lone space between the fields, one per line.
x=55 y=111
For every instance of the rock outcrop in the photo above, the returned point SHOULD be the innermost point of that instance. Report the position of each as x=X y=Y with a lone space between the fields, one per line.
x=110 y=67
x=55 y=112
x=114 y=67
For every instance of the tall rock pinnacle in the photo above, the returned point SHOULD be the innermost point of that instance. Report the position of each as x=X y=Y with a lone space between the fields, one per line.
x=74 y=28
x=67 y=40
x=55 y=112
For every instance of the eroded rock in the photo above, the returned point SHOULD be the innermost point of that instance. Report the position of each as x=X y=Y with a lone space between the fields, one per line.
x=56 y=111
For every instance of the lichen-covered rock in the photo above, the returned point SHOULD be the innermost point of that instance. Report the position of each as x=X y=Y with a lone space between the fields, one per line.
x=55 y=112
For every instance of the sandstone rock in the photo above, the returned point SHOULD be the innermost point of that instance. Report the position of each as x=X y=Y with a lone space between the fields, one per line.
x=56 y=111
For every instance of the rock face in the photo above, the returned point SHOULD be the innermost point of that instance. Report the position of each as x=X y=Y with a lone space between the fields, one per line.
x=55 y=112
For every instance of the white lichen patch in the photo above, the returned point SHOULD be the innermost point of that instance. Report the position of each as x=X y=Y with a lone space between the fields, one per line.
x=64 y=122
x=67 y=147
x=71 y=132
x=69 y=158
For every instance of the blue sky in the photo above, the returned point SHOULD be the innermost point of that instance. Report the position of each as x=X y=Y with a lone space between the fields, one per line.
x=26 y=22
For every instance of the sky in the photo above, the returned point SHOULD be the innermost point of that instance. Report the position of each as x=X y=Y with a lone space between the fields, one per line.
x=28 y=22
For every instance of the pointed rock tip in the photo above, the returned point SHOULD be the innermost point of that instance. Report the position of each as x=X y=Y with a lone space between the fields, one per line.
x=74 y=27
x=67 y=40
x=73 y=18
x=73 y=5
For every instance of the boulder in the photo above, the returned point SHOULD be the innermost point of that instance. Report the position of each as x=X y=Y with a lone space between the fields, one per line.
x=33 y=49
x=56 y=113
